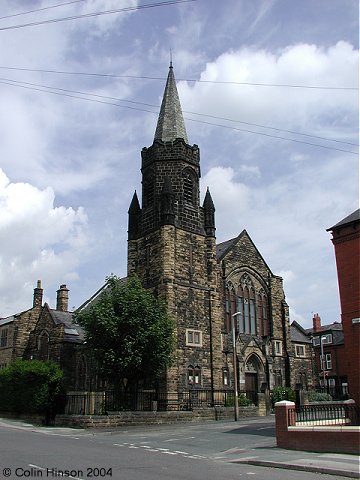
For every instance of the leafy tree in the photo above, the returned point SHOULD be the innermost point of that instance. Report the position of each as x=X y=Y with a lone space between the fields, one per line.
x=31 y=386
x=129 y=332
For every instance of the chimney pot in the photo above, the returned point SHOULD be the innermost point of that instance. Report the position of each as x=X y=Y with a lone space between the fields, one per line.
x=62 y=299
x=316 y=323
x=38 y=295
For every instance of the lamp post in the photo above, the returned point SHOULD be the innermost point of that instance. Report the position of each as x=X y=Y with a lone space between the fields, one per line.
x=236 y=393
x=323 y=337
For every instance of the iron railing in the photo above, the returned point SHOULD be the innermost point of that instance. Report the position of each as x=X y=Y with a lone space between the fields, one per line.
x=325 y=414
x=100 y=403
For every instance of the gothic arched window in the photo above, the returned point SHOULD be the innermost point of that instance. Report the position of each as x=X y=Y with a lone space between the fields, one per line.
x=148 y=189
x=81 y=373
x=43 y=345
x=189 y=191
x=262 y=313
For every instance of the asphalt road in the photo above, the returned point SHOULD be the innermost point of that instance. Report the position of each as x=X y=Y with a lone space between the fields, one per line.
x=180 y=452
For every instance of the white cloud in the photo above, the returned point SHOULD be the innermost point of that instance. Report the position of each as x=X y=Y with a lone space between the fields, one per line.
x=37 y=240
x=309 y=110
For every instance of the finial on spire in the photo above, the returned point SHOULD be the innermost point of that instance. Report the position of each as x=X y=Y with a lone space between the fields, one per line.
x=171 y=65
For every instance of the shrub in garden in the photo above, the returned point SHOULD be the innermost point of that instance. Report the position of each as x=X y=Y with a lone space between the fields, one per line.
x=31 y=386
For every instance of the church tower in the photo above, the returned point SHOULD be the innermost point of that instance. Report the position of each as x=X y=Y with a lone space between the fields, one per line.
x=171 y=246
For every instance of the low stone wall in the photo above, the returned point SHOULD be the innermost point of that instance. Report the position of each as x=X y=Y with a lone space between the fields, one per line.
x=329 y=439
x=119 y=419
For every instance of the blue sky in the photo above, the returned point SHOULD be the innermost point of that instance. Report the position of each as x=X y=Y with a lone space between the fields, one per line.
x=69 y=166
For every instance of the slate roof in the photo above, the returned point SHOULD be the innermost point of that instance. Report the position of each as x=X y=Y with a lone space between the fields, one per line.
x=334 y=328
x=171 y=123
x=352 y=218
x=5 y=321
x=221 y=248
x=298 y=334
x=72 y=331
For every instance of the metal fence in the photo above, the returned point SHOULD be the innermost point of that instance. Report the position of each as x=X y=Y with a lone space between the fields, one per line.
x=325 y=414
x=100 y=403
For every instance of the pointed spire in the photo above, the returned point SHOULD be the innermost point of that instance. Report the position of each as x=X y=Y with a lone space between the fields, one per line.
x=171 y=122
x=209 y=214
x=134 y=218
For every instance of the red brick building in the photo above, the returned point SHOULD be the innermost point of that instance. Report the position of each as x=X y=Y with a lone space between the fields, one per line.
x=345 y=237
x=329 y=357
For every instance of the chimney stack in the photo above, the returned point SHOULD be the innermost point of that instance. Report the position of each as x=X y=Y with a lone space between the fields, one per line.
x=316 y=323
x=38 y=295
x=62 y=299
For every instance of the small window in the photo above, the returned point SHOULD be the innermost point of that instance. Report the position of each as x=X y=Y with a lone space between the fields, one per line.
x=278 y=347
x=331 y=382
x=4 y=337
x=316 y=341
x=194 y=338
x=326 y=338
x=194 y=375
x=299 y=350
x=226 y=377
x=328 y=362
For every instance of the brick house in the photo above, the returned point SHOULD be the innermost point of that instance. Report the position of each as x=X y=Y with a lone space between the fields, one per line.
x=329 y=357
x=346 y=240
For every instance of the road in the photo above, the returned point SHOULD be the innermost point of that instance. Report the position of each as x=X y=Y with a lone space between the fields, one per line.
x=179 y=452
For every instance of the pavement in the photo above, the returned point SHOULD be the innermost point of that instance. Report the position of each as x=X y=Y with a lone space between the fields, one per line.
x=337 y=464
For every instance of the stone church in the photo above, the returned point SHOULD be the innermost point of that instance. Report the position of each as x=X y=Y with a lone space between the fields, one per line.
x=211 y=289
x=172 y=247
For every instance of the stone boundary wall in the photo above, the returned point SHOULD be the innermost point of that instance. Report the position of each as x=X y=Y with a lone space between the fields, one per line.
x=120 y=419
x=329 y=439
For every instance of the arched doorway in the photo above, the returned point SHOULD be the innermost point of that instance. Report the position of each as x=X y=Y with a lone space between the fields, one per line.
x=254 y=376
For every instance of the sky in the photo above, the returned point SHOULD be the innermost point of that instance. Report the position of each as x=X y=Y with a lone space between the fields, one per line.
x=269 y=92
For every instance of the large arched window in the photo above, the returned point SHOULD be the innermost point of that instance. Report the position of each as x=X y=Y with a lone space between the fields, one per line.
x=245 y=306
x=43 y=345
x=262 y=308
x=230 y=305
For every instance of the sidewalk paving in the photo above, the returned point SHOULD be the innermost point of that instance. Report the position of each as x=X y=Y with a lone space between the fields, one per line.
x=338 y=464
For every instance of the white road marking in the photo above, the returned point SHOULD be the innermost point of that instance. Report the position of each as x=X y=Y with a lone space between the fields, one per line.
x=176 y=439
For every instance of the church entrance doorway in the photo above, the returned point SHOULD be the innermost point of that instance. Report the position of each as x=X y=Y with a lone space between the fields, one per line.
x=251 y=383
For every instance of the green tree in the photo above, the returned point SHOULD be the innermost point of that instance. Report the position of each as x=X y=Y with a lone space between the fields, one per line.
x=129 y=332
x=31 y=386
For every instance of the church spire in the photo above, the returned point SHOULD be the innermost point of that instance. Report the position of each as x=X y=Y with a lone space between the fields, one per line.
x=171 y=122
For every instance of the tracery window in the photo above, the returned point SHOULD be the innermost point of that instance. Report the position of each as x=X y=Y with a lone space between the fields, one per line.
x=250 y=305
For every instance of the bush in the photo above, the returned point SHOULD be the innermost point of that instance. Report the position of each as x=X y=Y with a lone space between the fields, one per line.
x=243 y=401
x=283 y=393
x=314 y=396
x=31 y=386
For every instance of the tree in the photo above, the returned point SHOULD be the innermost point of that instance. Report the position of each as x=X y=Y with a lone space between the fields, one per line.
x=31 y=386
x=129 y=332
